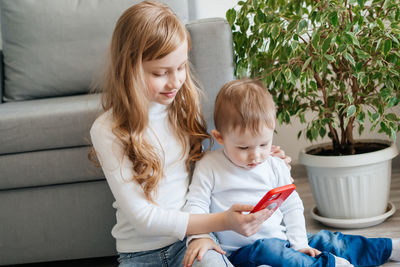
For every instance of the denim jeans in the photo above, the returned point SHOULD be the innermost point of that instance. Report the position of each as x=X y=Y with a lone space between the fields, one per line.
x=170 y=256
x=360 y=251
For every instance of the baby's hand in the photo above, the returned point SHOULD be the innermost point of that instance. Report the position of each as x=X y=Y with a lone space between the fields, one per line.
x=245 y=224
x=310 y=251
x=197 y=248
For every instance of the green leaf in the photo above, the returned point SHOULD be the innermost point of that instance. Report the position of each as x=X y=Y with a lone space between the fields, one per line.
x=231 y=16
x=374 y=117
x=387 y=46
x=341 y=48
x=351 y=110
x=360 y=129
x=330 y=58
x=306 y=63
x=314 y=133
x=361 y=117
x=333 y=18
x=378 y=43
x=326 y=44
x=288 y=74
x=349 y=58
x=313 y=85
x=315 y=39
x=322 y=132
x=393 y=134
x=353 y=39
x=364 y=80
x=299 y=134
x=302 y=27
x=380 y=24
x=276 y=30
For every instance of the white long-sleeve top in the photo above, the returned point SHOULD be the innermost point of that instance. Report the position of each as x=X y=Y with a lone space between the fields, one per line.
x=142 y=225
x=217 y=184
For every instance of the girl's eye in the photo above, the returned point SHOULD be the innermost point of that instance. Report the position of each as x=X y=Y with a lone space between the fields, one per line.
x=263 y=145
x=243 y=147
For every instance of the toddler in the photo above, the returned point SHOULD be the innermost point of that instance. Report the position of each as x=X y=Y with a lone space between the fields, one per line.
x=243 y=171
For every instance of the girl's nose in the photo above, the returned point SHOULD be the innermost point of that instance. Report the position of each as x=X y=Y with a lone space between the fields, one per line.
x=173 y=81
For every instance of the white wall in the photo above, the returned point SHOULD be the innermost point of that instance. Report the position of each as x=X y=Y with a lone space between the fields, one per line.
x=199 y=9
x=286 y=135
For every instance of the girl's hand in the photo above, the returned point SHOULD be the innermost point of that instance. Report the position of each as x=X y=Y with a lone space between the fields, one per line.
x=197 y=248
x=276 y=151
x=245 y=224
x=310 y=251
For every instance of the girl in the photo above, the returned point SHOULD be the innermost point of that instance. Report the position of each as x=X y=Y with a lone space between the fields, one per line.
x=148 y=139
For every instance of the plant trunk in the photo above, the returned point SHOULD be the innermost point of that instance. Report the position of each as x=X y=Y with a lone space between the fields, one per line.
x=346 y=144
x=348 y=148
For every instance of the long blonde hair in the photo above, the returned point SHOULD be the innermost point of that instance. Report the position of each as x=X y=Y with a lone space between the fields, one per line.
x=148 y=31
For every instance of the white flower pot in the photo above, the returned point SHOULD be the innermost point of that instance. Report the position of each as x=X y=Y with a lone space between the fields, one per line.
x=350 y=187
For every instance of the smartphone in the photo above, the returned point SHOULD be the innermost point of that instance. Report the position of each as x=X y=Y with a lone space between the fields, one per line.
x=274 y=198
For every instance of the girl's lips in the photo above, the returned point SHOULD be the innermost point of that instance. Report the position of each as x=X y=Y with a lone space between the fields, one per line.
x=169 y=94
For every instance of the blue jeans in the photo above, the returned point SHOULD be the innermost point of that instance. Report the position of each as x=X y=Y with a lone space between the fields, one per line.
x=170 y=256
x=358 y=250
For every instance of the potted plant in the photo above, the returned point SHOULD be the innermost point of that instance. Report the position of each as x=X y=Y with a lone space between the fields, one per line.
x=334 y=65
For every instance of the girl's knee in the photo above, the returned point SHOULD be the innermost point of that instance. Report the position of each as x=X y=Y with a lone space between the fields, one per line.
x=212 y=258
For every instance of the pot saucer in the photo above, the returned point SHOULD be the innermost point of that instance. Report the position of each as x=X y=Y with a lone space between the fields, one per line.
x=354 y=223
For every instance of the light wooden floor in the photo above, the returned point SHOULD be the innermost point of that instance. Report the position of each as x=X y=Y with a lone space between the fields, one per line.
x=389 y=228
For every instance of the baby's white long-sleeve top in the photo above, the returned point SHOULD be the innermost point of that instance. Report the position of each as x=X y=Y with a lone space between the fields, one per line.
x=217 y=184
x=142 y=225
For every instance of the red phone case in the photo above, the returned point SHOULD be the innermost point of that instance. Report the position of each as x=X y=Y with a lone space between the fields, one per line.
x=274 y=198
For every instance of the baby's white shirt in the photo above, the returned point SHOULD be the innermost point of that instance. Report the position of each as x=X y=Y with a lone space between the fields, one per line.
x=217 y=184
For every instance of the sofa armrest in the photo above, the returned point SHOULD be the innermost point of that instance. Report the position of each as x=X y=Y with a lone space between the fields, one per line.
x=1 y=77
x=212 y=57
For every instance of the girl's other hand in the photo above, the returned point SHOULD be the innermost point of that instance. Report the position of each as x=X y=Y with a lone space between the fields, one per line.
x=197 y=248
x=245 y=224
x=276 y=151
x=310 y=251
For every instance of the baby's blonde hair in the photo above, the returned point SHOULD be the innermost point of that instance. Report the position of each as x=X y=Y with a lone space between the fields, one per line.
x=149 y=31
x=244 y=104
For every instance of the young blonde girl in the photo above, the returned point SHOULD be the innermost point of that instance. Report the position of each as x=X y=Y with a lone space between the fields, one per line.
x=149 y=137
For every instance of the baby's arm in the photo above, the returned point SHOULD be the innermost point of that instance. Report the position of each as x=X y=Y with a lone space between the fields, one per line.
x=198 y=204
x=292 y=210
x=197 y=248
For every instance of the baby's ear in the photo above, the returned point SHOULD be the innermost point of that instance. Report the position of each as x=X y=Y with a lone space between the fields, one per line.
x=218 y=137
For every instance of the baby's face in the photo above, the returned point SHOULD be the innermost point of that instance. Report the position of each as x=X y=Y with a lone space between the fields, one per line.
x=247 y=150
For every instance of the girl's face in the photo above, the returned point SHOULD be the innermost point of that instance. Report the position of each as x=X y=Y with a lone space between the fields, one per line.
x=165 y=76
x=246 y=150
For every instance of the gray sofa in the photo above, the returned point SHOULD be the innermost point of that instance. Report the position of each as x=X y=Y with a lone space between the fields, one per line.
x=54 y=204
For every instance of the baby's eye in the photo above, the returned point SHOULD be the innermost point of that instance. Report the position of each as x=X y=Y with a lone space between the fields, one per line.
x=243 y=147
x=263 y=145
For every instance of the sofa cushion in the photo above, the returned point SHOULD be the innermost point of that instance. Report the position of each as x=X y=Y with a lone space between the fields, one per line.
x=51 y=123
x=53 y=48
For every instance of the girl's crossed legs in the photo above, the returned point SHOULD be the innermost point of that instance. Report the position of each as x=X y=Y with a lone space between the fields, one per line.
x=170 y=256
